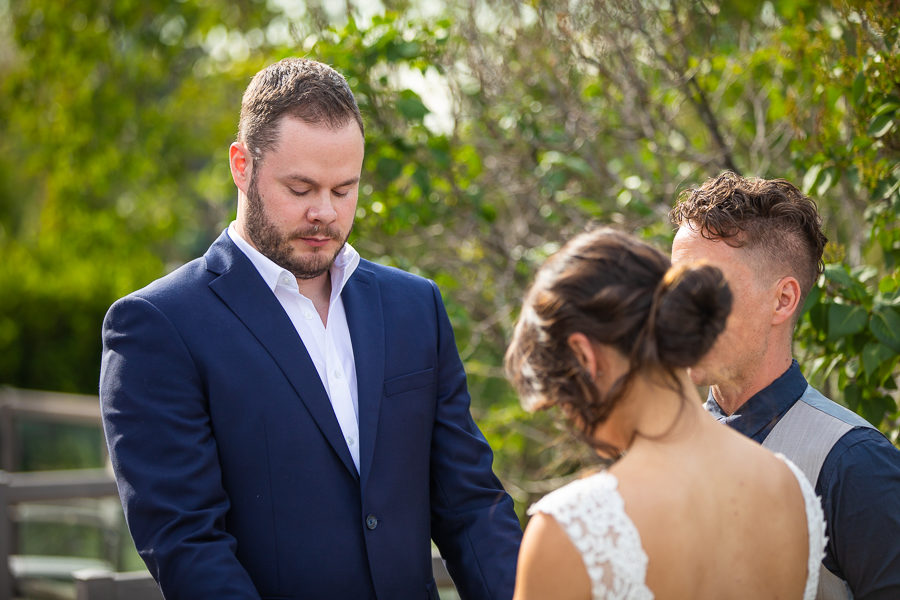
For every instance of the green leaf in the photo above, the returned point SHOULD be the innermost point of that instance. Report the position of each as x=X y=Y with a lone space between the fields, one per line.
x=838 y=274
x=422 y=179
x=827 y=365
x=888 y=108
x=389 y=168
x=818 y=316
x=873 y=355
x=859 y=88
x=886 y=187
x=815 y=294
x=851 y=368
x=825 y=181
x=881 y=124
x=889 y=286
x=852 y=395
x=874 y=408
x=845 y=319
x=577 y=164
x=885 y=325
x=848 y=284
x=809 y=180
x=409 y=49
x=410 y=106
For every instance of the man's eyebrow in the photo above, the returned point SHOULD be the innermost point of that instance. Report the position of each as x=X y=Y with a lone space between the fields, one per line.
x=350 y=181
x=299 y=179
x=303 y=179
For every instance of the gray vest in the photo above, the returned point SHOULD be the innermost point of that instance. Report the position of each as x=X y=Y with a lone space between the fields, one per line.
x=806 y=434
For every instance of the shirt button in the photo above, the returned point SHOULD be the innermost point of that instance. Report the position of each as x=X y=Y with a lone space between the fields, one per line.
x=371 y=522
x=307 y=315
x=350 y=440
x=336 y=373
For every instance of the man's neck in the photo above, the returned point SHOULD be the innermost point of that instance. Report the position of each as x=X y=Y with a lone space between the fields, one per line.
x=732 y=395
x=318 y=290
x=730 y=398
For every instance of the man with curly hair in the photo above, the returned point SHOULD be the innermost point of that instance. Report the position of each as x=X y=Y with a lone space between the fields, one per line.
x=766 y=236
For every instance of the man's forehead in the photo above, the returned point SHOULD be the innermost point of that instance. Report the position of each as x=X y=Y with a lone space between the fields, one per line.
x=735 y=259
x=693 y=236
x=692 y=244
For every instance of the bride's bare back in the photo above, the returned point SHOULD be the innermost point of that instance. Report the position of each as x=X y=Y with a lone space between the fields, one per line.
x=719 y=517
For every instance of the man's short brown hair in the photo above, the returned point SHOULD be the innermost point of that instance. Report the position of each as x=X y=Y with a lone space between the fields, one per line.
x=770 y=217
x=301 y=88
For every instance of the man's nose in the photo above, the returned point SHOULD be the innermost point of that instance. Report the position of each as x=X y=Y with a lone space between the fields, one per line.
x=322 y=209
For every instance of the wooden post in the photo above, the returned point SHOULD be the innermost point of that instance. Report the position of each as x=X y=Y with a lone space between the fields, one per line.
x=97 y=584
x=6 y=579
x=9 y=440
x=94 y=584
x=439 y=570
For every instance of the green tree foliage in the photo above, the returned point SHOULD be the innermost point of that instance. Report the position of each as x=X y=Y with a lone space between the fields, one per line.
x=851 y=156
x=495 y=130
x=115 y=122
x=605 y=111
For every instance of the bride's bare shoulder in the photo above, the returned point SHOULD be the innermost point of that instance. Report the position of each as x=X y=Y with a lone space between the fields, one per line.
x=549 y=564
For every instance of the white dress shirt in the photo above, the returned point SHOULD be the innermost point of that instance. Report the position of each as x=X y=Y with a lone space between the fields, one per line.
x=329 y=346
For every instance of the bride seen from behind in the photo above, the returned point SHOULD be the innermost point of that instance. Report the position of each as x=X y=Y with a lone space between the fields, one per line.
x=690 y=509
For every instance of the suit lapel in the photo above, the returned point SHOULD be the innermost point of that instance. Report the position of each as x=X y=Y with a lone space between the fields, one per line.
x=242 y=289
x=365 y=318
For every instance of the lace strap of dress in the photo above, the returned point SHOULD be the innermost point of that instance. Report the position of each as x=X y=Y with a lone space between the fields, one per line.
x=815 y=525
x=592 y=514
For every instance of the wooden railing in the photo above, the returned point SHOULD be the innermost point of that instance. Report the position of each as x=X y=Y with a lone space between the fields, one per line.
x=21 y=487
x=97 y=584
x=46 y=407
x=40 y=486
x=94 y=584
x=16 y=488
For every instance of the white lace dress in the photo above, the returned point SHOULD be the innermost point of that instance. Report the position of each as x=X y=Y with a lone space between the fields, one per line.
x=592 y=514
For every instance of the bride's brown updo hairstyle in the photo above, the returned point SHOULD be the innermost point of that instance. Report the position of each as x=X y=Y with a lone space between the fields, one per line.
x=621 y=292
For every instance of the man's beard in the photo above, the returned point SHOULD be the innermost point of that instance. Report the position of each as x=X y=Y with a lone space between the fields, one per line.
x=276 y=245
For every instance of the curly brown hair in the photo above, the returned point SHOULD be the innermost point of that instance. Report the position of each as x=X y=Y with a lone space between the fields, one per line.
x=304 y=89
x=770 y=217
x=617 y=291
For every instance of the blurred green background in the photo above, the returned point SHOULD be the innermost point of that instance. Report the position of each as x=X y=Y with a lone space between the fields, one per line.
x=495 y=131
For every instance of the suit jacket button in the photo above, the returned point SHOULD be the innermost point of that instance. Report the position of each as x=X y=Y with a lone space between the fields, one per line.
x=371 y=522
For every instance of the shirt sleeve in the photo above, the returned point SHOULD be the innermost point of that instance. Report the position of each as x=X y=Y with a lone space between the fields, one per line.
x=860 y=489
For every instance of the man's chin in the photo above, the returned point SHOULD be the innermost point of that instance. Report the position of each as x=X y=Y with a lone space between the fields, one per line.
x=311 y=269
x=307 y=275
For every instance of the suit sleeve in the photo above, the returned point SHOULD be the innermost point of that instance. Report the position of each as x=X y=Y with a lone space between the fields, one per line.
x=473 y=521
x=860 y=489
x=157 y=426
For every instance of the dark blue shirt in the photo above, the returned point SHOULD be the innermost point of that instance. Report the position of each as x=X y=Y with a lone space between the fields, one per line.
x=859 y=485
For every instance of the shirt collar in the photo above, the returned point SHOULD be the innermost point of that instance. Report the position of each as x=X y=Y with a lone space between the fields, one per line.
x=758 y=415
x=274 y=275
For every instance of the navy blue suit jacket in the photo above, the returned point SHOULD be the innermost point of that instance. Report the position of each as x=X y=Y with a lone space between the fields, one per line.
x=232 y=469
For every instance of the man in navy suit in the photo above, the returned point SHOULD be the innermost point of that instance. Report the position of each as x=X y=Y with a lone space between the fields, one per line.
x=286 y=419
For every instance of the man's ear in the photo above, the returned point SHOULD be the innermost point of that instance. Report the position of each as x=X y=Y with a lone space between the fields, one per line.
x=585 y=353
x=787 y=299
x=240 y=162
